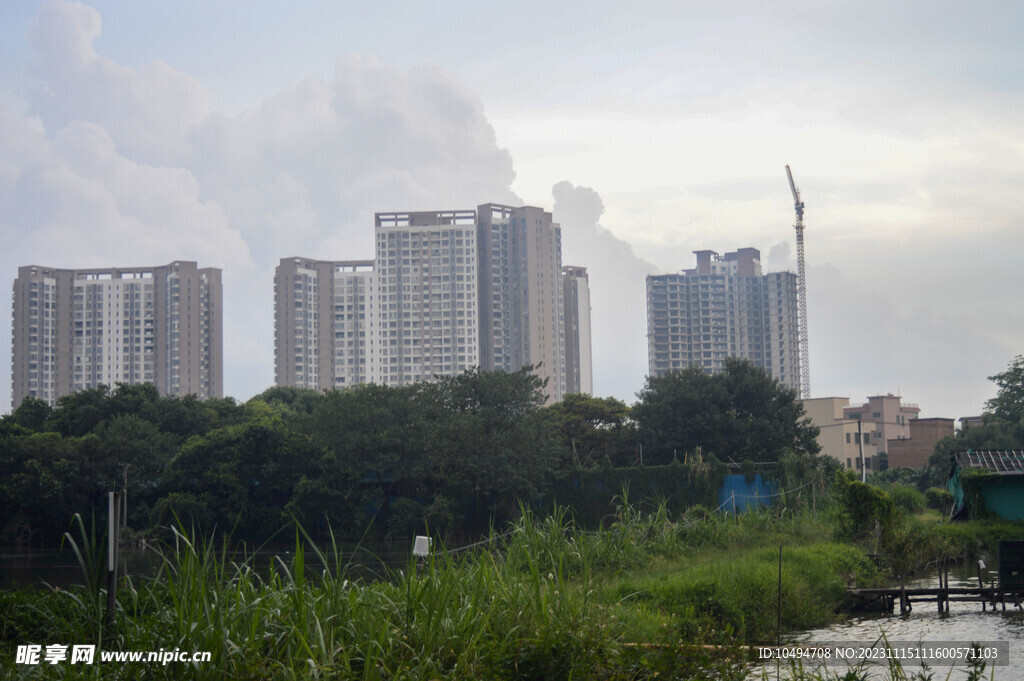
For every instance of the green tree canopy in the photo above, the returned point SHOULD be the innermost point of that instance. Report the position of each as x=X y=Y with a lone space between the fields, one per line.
x=593 y=428
x=1008 y=405
x=489 y=439
x=740 y=413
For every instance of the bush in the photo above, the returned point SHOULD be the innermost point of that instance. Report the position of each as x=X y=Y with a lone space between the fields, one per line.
x=939 y=498
x=406 y=518
x=907 y=499
x=866 y=511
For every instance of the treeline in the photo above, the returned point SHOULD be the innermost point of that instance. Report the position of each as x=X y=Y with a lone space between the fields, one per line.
x=457 y=454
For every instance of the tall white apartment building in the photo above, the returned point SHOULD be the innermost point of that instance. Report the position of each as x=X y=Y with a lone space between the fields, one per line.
x=354 y=322
x=578 y=362
x=77 y=329
x=426 y=315
x=725 y=307
x=446 y=291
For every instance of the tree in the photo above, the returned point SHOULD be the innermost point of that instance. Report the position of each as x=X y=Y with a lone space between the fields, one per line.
x=489 y=441
x=1002 y=426
x=740 y=413
x=32 y=414
x=243 y=475
x=592 y=428
x=1008 y=405
x=299 y=400
x=130 y=439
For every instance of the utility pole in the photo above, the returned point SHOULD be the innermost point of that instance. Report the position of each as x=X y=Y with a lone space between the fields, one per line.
x=124 y=494
x=113 y=505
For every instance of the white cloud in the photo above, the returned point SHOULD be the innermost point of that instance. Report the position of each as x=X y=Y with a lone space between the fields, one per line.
x=147 y=112
x=132 y=168
x=617 y=291
x=902 y=128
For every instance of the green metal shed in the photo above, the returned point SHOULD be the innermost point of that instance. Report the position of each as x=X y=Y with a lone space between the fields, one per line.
x=987 y=482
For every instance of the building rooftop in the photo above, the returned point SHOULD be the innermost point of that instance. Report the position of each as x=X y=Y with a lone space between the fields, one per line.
x=999 y=461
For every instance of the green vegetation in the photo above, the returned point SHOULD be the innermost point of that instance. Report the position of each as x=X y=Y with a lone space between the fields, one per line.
x=644 y=596
x=455 y=455
x=572 y=582
x=740 y=411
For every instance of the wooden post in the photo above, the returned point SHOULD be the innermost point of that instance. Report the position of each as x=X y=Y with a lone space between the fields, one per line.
x=736 y=515
x=946 y=563
x=778 y=620
x=981 y=587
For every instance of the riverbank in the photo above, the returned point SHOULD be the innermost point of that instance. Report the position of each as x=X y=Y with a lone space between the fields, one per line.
x=638 y=599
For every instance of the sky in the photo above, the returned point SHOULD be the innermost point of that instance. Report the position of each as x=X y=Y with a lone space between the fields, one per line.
x=240 y=133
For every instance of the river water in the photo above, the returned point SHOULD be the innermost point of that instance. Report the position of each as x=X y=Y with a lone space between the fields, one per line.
x=965 y=623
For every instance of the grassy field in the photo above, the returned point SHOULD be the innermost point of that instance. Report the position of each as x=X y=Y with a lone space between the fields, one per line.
x=645 y=597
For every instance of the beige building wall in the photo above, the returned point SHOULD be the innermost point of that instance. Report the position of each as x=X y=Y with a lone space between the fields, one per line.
x=447 y=291
x=353 y=323
x=42 y=310
x=888 y=414
x=76 y=329
x=838 y=436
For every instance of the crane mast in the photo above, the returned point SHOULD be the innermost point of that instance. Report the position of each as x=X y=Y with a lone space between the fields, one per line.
x=801 y=289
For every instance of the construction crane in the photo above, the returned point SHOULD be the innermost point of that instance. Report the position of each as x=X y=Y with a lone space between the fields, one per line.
x=801 y=290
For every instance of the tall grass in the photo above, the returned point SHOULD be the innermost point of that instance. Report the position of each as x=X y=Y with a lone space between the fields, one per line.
x=636 y=599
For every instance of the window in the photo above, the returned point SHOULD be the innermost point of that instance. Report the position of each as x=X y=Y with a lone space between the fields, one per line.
x=847 y=438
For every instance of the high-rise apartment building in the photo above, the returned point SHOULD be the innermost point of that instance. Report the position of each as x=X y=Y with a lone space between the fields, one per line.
x=447 y=291
x=578 y=362
x=322 y=317
x=725 y=307
x=427 y=314
x=77 y=329
x=521 y=295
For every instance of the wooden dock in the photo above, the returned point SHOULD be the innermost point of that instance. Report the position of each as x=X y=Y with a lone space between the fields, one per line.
x=885 y=599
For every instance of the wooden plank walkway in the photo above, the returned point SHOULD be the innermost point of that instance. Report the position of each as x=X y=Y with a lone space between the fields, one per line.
x=874 y=599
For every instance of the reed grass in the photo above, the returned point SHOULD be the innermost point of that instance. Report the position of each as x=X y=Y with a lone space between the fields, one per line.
x=636 y=599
